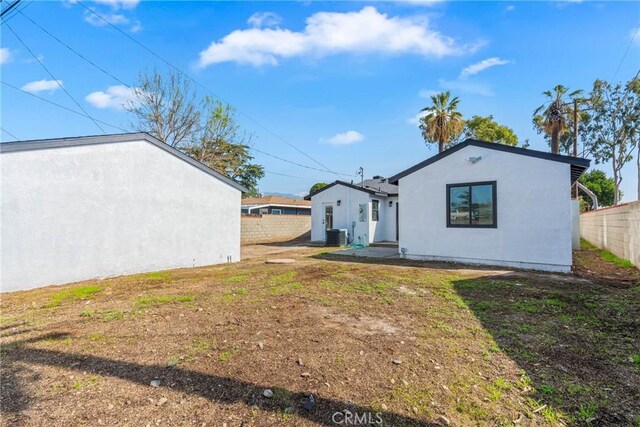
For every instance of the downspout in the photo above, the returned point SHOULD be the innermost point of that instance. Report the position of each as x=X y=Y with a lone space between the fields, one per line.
x=349 y=235
x=589 y=193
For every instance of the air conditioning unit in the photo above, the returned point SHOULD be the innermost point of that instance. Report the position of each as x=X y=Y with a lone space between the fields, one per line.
x=336 y=237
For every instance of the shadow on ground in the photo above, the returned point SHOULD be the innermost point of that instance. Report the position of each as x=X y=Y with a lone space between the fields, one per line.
x=575 y=336
x=215 y=388
x=574 y=339
x=401 y=262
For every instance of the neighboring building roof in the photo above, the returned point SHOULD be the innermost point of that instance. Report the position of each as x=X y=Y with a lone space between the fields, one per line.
x=377 y=186
x=380 y=184
x=42 y=144
x=578 y=164
x=276 y=201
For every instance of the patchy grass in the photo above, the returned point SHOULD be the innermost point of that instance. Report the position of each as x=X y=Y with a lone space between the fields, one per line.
x=606 y=255
x=90 y=381
x=147 y=301
x=477 y=346
x=237 y=279
x=74 y=294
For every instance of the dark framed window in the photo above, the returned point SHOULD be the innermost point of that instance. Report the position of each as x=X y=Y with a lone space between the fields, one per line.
x=375 y=210
x=472 y=205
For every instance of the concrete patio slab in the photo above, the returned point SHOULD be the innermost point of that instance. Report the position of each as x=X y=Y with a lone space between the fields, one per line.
x=370 y=252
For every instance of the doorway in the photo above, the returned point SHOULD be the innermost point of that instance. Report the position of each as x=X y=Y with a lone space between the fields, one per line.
x=328 y=218
x=397 y=222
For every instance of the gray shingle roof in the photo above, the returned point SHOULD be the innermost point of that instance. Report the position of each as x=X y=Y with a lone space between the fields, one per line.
x=381 y=185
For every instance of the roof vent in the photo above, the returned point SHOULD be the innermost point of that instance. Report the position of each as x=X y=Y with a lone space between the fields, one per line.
x=378 y=177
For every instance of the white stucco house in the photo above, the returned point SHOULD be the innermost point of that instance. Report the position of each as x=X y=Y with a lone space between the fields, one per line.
x=487 y=203
x=90 y=207
x=368 y=211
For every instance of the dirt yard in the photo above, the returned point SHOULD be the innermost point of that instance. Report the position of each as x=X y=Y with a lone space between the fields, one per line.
x=333 y=339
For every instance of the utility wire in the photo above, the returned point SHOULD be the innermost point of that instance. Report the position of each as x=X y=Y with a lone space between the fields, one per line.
x=291 y=162
x=74 y=51
x=124 y=130
x=106 y=72
x=9 y=133
x=13 y=13
x=633 y=37
x=8 y=8
x=61 y=106
x=53 y=77
x=283 y=174
x=326 y=169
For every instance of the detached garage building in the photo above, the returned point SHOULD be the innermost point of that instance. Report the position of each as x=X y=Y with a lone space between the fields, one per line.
x=89 y=207
x=485 y=203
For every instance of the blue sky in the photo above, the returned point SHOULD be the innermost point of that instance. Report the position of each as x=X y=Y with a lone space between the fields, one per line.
x=342 y=81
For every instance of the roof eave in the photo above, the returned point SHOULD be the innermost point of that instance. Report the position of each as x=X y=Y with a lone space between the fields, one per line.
x=575 y=162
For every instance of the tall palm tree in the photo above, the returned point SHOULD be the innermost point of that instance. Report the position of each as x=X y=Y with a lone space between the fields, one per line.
x=442 y=122
x=553 y=120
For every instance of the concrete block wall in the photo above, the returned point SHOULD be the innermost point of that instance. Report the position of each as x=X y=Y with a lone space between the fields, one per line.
x=616 y=229
x=274 y=228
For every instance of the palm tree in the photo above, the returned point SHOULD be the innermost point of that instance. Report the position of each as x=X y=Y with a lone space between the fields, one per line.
x=443 y=122
x=553 y=120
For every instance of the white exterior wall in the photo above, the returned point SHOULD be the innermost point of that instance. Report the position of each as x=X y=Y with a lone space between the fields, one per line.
x=533 y=212
x=77 y=213
x=348 y=211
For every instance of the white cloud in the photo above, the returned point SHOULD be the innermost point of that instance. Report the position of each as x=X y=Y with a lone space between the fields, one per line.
x=344 y=138
x=422 y=2
x=136 y=27
x=634 y=34
x=427 y=93
x=327 y=33
x=464 y=86
x=119 y=4
x=481 y=66
x=113 y=18
x=116 y=97
x=415 y=120
x=510 y=8
x=42 y=86
x=5 y=55
x=264 y=19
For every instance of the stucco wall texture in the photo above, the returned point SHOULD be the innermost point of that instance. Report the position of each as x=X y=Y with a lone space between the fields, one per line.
x=616 y=229
x=533 y=212
x=76 y=213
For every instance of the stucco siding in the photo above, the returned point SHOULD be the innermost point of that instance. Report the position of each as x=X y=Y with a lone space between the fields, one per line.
x=533 y=211
x=365 y=232
x=82 y=212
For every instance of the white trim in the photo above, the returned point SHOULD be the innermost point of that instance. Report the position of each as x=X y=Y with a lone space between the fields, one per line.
x=556 y=268
x=276 y=205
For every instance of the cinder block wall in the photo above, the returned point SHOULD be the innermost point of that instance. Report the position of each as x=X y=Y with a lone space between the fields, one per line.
x=616 y=229
x=274 y=228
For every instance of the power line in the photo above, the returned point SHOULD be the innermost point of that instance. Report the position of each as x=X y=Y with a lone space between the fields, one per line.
x=60 y=106
x=8 y=8
x=53 y=77
x=106 y=72
x=9 y=133
x=74 y=51
x=292 y=162
x=125 y=130
x=283 y=174
x=13 y=13
x=326 y=169
x=633 y=37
